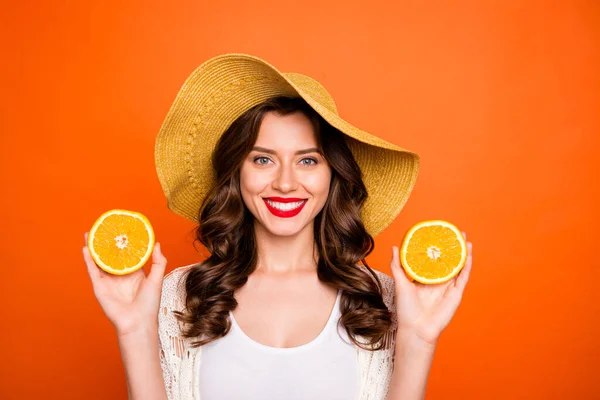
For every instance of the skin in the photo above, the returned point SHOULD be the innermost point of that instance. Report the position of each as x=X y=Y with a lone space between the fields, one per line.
x=423 y=312
x=131 y=304
x=285 y=277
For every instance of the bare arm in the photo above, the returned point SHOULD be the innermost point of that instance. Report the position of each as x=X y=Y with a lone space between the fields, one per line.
x=142 y=365
x=423 y=312
x=411 y=368
x=131 y=303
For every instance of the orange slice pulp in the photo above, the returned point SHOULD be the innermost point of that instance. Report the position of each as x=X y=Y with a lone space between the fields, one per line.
x=121 y=241
x=433 y=252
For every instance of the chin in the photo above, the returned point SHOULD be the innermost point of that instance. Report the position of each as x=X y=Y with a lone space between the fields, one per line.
x=283 y=229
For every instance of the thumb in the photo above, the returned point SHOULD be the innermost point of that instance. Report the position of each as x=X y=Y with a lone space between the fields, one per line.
x=398 y=273
x=159 y=265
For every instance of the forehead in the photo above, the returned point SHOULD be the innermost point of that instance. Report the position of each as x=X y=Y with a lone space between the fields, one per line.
x=286 y=131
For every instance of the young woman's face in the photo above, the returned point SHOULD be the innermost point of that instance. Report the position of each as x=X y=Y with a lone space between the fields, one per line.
x=285 y=180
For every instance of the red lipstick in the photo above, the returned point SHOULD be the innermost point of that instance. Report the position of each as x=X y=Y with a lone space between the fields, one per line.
x=285 y=199
x=284 y=213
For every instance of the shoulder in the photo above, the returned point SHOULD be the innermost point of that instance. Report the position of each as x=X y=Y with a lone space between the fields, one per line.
x=387 y=288
x=173 y=278
x=384 y=278
x=173 y=288
x=387 y=285
x=388 y=294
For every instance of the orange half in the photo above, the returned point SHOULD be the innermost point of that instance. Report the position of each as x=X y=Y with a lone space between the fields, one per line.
x=121 y=241
x=433 y=252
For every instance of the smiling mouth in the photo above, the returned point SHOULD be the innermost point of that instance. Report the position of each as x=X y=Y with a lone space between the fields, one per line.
x=285 y=206
x=285 y=209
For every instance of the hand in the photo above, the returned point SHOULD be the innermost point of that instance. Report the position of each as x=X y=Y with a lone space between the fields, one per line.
x=131 y=301
x=426 y=310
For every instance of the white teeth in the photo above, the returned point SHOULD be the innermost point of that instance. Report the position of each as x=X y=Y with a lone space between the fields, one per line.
x=285 y=206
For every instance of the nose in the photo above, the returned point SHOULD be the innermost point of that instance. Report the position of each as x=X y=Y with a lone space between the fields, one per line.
x=286 y=179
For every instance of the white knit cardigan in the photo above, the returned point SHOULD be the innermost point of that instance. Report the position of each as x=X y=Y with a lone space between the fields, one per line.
x=180 y=361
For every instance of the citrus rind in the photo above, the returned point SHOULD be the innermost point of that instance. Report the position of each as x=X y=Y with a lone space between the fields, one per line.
x=410 y=233
x=145 y=257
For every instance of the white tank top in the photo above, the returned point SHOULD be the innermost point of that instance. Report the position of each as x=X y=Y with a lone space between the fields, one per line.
x=235 y=367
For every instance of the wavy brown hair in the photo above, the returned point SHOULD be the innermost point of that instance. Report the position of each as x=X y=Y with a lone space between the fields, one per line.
x=226 y=230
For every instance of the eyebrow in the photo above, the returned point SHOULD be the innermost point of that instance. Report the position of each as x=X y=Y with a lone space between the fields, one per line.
x=269 y=151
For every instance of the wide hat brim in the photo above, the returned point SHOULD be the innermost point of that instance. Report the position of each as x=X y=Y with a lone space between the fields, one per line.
x=226 y=86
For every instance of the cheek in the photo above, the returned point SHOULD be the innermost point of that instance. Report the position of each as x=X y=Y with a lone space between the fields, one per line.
x=318 y=184
x=252 y=183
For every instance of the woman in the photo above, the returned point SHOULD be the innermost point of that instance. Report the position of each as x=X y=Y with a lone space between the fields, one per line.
x=287 y=196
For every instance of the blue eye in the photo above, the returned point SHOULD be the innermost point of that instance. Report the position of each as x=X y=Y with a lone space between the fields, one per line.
x=265 y=160
x=261 y=158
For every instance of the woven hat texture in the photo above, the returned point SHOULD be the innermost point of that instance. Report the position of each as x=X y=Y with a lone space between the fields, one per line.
x=226 y=86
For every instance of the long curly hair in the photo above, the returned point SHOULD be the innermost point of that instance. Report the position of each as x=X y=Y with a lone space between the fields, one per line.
x=226 y=230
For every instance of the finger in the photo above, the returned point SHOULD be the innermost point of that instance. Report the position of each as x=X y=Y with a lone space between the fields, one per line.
x=159 y=264
x=85 y=236
x=94 y=271
x=398 y=273
x=464 y=235
x=463 y=277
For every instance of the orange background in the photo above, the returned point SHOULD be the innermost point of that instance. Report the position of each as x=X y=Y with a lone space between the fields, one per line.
x=500 y=98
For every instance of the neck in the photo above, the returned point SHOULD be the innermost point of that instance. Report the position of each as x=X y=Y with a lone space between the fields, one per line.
x=284 y=255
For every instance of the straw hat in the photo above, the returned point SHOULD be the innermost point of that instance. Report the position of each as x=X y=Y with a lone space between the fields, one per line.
x=226 y=86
